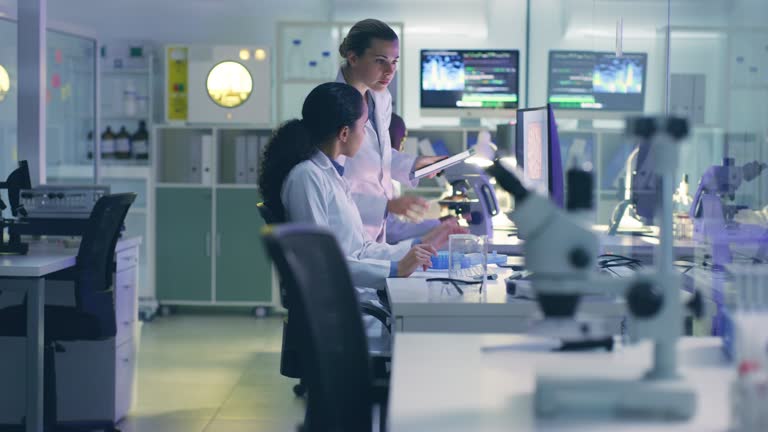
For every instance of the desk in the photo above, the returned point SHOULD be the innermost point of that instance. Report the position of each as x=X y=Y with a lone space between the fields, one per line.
x=30 y=271
x=620 y=244
x=445 y=382
x=28 y=275
x=420 y=306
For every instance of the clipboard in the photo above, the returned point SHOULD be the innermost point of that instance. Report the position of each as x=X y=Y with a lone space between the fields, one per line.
x=444 y=163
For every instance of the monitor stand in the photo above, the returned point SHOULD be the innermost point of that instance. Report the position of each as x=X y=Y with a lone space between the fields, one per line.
x=470 y=122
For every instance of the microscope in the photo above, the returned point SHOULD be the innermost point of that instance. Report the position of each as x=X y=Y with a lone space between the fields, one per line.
x=713 y=217
x=19 y=179
x=466 y=180
x=560 y=251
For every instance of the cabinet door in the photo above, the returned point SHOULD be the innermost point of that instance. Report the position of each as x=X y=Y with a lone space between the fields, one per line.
x=184 y=244
x=243 y=272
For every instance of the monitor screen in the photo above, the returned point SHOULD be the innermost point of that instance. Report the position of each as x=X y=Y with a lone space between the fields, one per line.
x=532 y=150
x=590 y=80
x=469 y=79
x=537 y=151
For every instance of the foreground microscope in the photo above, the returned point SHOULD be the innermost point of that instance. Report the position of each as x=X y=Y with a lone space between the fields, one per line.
x=561 y=253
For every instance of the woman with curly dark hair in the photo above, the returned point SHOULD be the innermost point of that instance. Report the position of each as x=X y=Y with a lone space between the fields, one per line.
x=301 y=181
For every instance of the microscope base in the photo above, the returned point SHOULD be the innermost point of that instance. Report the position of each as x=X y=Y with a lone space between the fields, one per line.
x=564 y=396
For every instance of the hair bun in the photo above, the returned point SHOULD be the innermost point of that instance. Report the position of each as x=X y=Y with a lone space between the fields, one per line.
x=344 y=47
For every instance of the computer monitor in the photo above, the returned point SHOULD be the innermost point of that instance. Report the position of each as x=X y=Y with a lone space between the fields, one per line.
x=597 y=81
x=537 y=152
x=469 y=83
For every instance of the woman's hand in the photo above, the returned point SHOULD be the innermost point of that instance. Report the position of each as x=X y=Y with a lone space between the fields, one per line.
x=428 y=160
x=408 y=205
x=438 y=237
x=418 y=256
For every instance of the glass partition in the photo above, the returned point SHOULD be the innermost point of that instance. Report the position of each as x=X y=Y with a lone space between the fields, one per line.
x=719 y=74
x=70 y=112
x=8 y=98
x=597 y=62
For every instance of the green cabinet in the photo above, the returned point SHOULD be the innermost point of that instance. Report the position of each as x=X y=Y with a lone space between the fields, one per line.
x=208 y=228
x=184 y=244
x=243 y=271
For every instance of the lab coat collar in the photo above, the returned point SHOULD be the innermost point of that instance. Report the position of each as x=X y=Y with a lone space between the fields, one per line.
x=323 y=161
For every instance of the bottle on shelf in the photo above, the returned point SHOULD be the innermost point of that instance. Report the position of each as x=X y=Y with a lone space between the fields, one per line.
x=108 y=144
x=89 y=145
x=122 y=144
x=140 y=142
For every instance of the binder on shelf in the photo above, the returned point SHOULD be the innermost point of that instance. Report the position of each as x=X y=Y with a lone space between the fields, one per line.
x=194 y=167
x=206 y=148
x=241 y=159
x=253 y=156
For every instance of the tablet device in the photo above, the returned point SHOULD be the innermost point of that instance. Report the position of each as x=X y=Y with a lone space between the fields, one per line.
x=443 y=164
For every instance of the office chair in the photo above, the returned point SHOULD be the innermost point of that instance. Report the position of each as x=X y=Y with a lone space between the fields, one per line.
x=342 y=391
x=93 y=315
x=290 y=357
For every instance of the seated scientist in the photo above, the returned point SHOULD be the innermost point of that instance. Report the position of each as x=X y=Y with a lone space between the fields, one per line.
x=301 y=181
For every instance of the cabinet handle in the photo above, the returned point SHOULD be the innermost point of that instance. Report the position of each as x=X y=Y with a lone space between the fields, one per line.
x=129 y=286
x=218 y=244
x=126 y=323
x=208 y=244
x=619 y=36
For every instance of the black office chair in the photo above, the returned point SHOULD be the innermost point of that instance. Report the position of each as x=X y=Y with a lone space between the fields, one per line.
x=342 y=391
x=93 y=315
x=290 y=358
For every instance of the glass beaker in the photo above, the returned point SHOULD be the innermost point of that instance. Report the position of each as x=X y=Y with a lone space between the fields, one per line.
x=467 y=257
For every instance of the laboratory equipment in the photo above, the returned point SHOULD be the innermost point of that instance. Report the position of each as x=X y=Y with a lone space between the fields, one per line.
x=467 y=251
x=561 y=252
x=713 y=217
x=19 y=179
x=537 y=152
x=469 y=83
x=56 y=210
x=597 y=81
x=472 y=197
x=218 y=84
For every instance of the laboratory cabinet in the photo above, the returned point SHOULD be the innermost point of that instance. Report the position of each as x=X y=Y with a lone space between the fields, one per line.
x=208 y=244
x=105 y=390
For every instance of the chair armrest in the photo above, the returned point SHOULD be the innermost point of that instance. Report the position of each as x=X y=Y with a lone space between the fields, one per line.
x=381 y=314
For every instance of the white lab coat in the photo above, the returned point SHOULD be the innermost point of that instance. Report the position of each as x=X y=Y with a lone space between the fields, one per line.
x=314 y=192
x=371 y=171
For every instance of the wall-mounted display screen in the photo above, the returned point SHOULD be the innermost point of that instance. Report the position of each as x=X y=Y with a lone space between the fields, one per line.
x=590 y=80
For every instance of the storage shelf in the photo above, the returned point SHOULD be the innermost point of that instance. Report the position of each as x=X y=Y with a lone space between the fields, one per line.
x=236 y=186
x=184 y=185
x=106 y=171
x=124 y=117
x=127 y=71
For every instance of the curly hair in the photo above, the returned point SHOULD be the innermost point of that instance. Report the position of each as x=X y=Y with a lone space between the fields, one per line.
x=327 y=109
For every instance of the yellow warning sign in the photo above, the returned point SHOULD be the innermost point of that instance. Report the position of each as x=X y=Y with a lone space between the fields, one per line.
x=177 y=81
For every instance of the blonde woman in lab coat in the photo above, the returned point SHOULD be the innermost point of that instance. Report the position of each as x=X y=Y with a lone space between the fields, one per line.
x=371 y=52
x=301 y=182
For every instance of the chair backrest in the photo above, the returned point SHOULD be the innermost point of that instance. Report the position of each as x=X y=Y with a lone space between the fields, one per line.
x=313 y=268
x=270 y=219
x=267 y=214
x=95 y=259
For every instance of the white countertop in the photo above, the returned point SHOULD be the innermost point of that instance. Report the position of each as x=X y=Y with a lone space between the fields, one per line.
x=44 y=258
x=414 y=295
x=448 y=382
